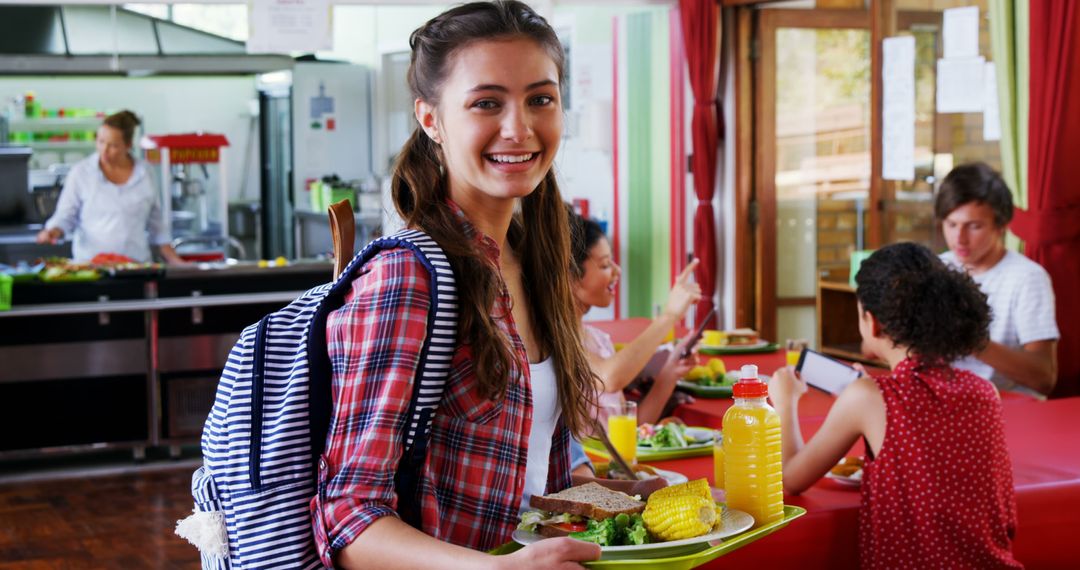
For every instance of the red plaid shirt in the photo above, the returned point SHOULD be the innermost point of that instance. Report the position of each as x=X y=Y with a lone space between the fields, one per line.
x=474 y=475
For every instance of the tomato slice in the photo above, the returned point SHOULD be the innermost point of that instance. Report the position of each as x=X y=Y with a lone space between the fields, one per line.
x=573 y=526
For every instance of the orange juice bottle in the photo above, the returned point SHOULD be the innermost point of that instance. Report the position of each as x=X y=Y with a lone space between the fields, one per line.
x=753 y=472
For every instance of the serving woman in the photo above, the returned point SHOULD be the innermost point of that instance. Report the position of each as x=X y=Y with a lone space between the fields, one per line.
x=109 y=203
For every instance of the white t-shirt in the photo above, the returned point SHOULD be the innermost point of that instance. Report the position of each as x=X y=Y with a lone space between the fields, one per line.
x=545 y=413
x=102 y=217
x=1021 y=300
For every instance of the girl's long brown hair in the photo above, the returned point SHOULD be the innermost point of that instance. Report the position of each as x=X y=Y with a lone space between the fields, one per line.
x=538 y=234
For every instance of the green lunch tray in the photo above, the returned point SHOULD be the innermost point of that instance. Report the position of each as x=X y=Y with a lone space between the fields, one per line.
x=595 y=447
x=713 y=350
x=704 y=391
x=686 y=561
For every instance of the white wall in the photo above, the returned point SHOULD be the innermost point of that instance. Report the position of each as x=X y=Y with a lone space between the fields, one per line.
x=166 y=105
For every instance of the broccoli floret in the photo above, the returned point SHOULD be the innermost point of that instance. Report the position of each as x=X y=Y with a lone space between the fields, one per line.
x=602 y=532
x=635 y=533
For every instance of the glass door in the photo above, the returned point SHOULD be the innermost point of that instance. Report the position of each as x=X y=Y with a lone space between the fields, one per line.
x=813 y=159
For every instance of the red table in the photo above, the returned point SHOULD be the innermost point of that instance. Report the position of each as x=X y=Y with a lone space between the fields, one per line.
x=1044 y=444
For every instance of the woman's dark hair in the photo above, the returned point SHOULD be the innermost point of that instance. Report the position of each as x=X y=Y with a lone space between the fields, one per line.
x=538 y=233
x=937 y=312
x=124 y=121
x=974 y=182
x=584 y=234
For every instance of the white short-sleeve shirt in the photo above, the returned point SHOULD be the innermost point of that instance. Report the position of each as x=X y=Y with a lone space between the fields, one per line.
x=1021 y=299
x=103 y=217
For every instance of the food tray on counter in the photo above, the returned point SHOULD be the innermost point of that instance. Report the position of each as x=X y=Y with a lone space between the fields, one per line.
x=686 y=561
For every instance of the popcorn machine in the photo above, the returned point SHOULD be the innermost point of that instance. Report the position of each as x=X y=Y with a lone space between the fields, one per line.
x=194 y=197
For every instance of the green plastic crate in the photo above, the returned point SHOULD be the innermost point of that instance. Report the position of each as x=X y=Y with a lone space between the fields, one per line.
x=6 y=282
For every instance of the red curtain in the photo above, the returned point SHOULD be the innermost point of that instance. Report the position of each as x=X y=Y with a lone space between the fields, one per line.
x=1050 y=227
x=701 y=31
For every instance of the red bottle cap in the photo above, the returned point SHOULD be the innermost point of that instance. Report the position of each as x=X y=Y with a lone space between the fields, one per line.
x=750 y=384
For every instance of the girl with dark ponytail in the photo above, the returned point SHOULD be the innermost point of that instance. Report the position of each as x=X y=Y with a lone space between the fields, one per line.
x=476 y=175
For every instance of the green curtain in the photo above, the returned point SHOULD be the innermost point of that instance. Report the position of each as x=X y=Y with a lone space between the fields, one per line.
x=1009 y=41
x=647 y=262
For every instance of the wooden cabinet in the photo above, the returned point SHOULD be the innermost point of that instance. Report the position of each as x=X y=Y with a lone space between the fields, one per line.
x=838 y=322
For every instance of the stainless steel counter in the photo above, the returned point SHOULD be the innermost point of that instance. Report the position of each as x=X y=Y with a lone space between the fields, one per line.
x=131 y=362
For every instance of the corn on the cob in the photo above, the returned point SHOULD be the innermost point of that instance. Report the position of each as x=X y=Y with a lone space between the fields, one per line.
x=697 y=488
x=680 y=516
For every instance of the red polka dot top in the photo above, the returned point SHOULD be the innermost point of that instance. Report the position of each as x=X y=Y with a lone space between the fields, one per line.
x=940 y=492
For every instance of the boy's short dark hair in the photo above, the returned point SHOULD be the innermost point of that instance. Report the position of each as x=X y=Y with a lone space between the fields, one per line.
x=974 y=182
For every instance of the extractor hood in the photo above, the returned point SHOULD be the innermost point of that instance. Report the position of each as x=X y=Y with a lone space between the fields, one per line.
x=109 y=40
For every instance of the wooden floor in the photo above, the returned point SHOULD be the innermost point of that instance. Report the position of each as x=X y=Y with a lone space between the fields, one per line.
x=116 y=522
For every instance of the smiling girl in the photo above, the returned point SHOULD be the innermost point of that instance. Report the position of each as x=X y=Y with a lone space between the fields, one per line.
x=596 y=277
x=476 y=176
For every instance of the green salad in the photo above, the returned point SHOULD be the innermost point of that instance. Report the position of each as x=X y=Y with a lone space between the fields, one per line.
x=620 y=530
x=668 y=435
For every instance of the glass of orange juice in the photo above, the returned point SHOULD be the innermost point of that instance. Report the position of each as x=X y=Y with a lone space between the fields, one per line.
x=718 y=459
x=622 y=429
x=794 y=350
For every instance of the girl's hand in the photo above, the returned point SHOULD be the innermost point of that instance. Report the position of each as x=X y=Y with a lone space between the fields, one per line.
x=562 y=553
x=683 y=293
x=675 y=367
x=785 y=388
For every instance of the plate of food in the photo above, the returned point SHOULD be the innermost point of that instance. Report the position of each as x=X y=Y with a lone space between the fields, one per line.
x=734 y=342
x=643 y=471
x=628 y=529
x=60 y=269
x=708 y=380
x=670 y=438
x=848 y=471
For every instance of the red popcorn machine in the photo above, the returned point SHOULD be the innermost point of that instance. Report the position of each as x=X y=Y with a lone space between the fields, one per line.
x=194 y=196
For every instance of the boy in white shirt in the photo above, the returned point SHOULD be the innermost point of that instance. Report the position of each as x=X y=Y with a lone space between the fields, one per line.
x=975 y=206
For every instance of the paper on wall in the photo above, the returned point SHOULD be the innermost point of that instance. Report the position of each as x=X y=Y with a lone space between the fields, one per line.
x=991 y=112
x=898 y=108
x=960 y=32
x=960 y=85
x=283 y=26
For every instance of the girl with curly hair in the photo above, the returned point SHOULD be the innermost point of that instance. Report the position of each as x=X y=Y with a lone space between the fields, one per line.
x=937 y=486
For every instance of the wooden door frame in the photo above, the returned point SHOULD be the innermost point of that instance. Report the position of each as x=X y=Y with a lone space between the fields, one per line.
x=764 y=155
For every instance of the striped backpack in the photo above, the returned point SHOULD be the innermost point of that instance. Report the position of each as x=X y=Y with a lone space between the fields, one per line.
x=262 y=441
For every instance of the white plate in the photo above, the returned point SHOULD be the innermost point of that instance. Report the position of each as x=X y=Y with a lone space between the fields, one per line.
x=698 y=434
x=672 y=477
x=845 y=481
x=733 y=522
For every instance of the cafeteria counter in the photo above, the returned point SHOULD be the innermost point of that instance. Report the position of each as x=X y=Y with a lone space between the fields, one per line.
x=128 y=362
x=1043 y=439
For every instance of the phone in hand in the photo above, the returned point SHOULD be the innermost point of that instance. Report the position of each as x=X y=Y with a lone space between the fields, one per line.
x=696 y=337
x=825 y=373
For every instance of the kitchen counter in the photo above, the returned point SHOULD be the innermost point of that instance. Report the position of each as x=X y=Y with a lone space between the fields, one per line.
x=129 y=362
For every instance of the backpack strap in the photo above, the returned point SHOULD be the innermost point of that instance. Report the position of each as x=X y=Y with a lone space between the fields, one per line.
x=433 y=367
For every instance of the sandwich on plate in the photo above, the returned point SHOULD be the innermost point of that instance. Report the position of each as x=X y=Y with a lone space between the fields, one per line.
x=589 y=512
x=741 y=337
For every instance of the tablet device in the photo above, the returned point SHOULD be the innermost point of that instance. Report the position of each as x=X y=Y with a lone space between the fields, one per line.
x=825 y=373
x=698 y=332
